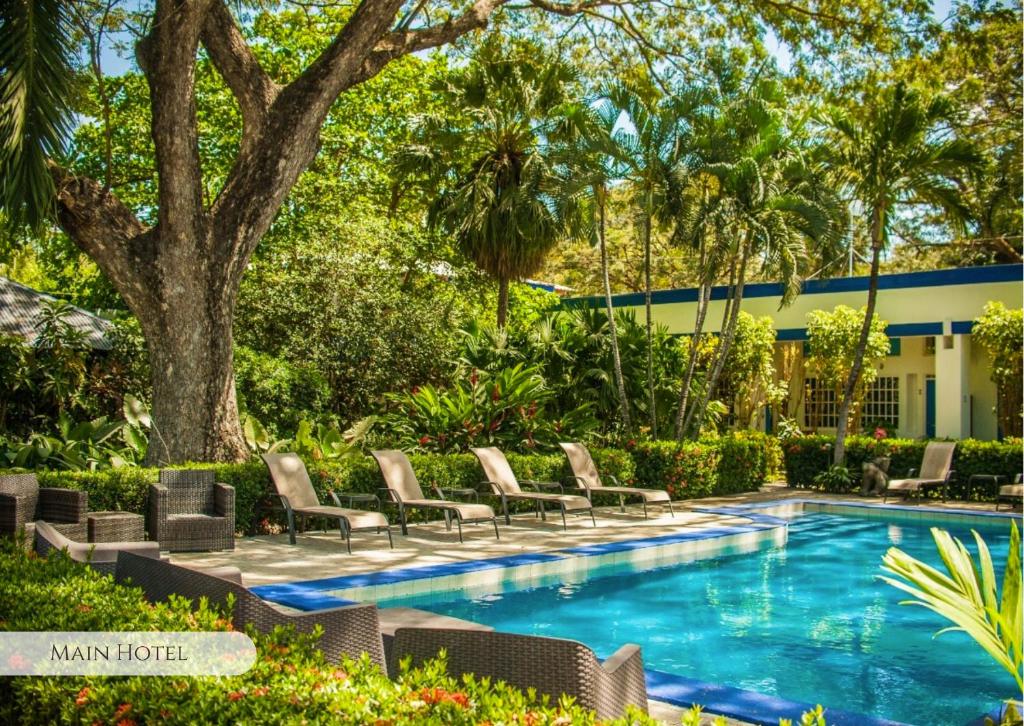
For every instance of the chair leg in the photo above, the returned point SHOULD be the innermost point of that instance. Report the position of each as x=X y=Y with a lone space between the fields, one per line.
x=391 y=541
x=592 y=520
x=401 y=518
x=622 y=505
x=458 y=521
x=494 y=521
x=644 y=502
x=504 y=507
x=565 y=527
x=291 y=526
x=671 y=510
x=346 y=533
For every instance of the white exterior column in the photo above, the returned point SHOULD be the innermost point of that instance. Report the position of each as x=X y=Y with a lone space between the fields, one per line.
x=952 y=386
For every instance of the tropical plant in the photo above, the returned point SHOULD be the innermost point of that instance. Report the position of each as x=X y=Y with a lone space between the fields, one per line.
x=1000 y=331
x=507 y=408
x=832 y=345
x=969 y=596
x=499 y=189
x=901 y=151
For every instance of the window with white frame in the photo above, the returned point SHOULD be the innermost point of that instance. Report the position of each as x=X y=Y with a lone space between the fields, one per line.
x=820 y=407
x=882 y=403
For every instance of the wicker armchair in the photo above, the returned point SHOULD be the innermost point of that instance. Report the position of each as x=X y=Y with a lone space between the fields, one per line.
x=189 y=511
x=551 y=665
x=349 y=630
x=101 y=557
x=22 y=502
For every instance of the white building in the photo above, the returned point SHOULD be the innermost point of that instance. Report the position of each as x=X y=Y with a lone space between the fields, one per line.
x=934 y=382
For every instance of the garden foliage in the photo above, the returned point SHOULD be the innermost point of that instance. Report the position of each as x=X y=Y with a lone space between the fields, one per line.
x=807 y=456
x=290 y=683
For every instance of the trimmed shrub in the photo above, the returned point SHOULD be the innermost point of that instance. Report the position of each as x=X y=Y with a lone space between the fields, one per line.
x=747 y=459
x=686 y=470
x=807 y=456
x=290 y=682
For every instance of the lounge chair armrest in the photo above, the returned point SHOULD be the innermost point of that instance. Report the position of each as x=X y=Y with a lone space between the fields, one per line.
x=580 y=483
x=539 y=485
x=285 y=503
x=496 y=487
x=613 y=479
x=223 y=499
x=911 y=473
x=626 y=658
x=390 y=495
x=950 y=477
x=62 y=505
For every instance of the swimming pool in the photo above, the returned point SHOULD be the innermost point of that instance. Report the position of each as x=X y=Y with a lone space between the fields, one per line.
x=807 y=621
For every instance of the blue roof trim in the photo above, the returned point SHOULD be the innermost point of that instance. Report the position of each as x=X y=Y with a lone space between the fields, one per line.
x=895 y=330
x=749 y=706
x=896 y=281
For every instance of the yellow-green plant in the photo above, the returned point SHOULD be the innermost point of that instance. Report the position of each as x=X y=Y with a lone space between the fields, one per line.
x=968 y=596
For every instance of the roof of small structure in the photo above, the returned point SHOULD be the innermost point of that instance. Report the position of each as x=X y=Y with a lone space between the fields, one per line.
x=19 y=314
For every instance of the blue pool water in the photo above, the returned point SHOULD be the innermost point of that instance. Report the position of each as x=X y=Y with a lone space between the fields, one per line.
x=807 y=622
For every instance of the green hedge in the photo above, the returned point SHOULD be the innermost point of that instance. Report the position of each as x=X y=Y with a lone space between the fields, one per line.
x=806 y=456
x=734 y=463
x=290 y=682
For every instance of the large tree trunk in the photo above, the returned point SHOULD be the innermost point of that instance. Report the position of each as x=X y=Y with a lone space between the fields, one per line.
x=842 y=422
x=620 y=383
x=195 y=413
x=181 y=276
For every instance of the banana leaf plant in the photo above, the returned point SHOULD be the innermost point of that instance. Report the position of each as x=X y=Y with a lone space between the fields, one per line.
x=969 y=595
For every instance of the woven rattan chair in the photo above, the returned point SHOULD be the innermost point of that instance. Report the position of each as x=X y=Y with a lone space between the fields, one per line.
x=349 y=630
x=586 y=477
x=404 y=490
x=503 y=483
x=551 y=665
x=22 y=502
x=291 y=480
x=936 y=472
x=190 y=512
x=101 y=557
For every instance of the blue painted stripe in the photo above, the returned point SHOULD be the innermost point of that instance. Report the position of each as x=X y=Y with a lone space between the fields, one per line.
x=749 y=706
x=896 y=281
x=894 y=330
x=301 y=598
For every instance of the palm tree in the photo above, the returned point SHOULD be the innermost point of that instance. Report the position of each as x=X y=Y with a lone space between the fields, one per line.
x=900 y=152
x=647 y=138
x=590 y=151
x=767 y=210
x=499 y=189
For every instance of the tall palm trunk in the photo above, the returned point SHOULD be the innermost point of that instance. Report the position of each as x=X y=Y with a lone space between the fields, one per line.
x=648 y=213
x=696 y=419
x=620 y=383
x=703 y=299
x=842 y=424
x=502 y=302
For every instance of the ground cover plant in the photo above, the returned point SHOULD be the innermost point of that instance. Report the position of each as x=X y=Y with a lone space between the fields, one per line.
x=290 y=682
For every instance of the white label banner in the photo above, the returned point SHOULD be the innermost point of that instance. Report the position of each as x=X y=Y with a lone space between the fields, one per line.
x=125 y=654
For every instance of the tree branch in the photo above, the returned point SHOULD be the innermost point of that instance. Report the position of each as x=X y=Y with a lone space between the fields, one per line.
x=252 y=88
x=167 y=55
x=105 y=229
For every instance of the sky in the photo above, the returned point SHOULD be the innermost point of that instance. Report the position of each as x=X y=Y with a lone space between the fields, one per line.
x=115 y=64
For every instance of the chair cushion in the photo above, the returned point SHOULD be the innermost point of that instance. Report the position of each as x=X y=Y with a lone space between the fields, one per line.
x=466 y=511
x=356 y=518
x=1011 y=490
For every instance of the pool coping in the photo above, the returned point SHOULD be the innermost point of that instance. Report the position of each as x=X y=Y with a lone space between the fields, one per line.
x=749 y=706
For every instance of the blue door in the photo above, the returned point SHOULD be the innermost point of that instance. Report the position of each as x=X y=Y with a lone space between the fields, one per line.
x=929 y=407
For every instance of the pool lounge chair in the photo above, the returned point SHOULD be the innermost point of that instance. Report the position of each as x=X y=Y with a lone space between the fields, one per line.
x=404 y=490
x=348 y=630
x=1013 y=493
x=293 y=486
x=585 y=473
x=553 y=666
x=936 y=472
x=503 y=482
